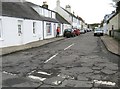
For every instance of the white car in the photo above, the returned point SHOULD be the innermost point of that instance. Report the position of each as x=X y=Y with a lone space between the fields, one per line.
x=82 y=31
x=98 y=32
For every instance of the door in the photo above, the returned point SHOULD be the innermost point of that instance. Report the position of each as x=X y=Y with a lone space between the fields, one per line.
x=54 y=30
x=0 y=28
x=1 y=44
x=20 y=32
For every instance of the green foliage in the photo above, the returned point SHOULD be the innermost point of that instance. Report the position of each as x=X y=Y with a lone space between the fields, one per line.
x=118 y=30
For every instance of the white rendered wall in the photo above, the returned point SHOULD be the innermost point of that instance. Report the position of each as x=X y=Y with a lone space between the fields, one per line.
x=10 y=32
x=47 y=36
x=28 y=35
x=64 y=14
x=114 y=22
x=53 y=15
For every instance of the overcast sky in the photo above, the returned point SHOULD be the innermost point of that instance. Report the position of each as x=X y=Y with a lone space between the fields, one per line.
x=92 y=11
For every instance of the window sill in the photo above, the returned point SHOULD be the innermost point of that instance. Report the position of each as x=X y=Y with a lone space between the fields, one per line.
x=34 y=35
x=48 y=34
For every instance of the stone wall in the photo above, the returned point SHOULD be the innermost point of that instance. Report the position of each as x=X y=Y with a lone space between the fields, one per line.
x=115 y=34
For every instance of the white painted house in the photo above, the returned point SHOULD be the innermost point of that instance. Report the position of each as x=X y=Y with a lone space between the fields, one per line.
x=111 y=22
x=19 y=24
x=70 y=17
x=24 y=22
x=64 y=23
x=50 y=23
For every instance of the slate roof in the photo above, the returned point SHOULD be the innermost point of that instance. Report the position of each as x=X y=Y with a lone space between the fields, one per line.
x=44 y=18
x=69 y=12
x=61 y=19
x=49 y=19
x=23 y=10
x=73 y=15
x=112 y=16
x=80 y=19
x=19 y=10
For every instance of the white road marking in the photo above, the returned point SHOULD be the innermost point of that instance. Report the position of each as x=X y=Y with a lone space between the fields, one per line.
x=56 y=82
x=104 y=82
x=40 y=72
x=8 y=73
x=51 y=58
x=69 y=46
x=31 y=72
x=36 y=78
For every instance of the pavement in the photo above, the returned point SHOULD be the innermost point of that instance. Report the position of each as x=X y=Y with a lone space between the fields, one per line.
x=8 y=50
x=111 y=44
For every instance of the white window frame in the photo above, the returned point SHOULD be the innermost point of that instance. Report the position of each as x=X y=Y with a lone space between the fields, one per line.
x=34 y=28
x=19 y=27
x=48 y=28
x=1 y=28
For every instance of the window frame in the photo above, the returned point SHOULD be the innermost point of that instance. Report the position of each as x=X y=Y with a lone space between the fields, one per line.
x=19 y=26
x=1 y=33
x=48 y=28
x=34 y=28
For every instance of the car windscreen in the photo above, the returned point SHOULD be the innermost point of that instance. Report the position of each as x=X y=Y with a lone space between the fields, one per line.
x=98 y=30
x=68 y=29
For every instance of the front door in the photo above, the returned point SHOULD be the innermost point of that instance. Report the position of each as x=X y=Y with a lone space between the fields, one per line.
x=20 y=32
x=54 y=30
x=0 y=28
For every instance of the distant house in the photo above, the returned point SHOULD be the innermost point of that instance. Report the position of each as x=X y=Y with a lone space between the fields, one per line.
x=19 y=24
x=70 y=17
x=64 y=24
x=111 y=22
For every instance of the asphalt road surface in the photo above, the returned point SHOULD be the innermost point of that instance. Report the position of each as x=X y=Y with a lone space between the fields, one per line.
x=82 y=61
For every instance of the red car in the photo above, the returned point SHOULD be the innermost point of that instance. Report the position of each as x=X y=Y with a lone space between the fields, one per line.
x=77 y=32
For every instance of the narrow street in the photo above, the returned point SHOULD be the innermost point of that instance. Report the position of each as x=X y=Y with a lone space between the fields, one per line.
x=82 y=61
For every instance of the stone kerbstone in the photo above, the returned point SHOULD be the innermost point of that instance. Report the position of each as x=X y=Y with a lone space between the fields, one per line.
x=82 y=78
x=27 y=84
x=75 y=83
x=55 y=81
x=108 y=71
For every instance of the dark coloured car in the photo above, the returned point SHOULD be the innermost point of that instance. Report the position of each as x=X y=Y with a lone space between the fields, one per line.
x=69 y=33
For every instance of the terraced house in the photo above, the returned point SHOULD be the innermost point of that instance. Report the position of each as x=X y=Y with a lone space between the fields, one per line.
x=75 y=21
x=24 y=22
x=112 y=22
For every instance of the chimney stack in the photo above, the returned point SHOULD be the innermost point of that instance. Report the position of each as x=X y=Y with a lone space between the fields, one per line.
x=45 y=5
x=58 y=3
x=68 y=8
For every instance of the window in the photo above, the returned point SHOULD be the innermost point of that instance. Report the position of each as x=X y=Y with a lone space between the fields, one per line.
x=0 y=28
x=34 y=26
x=48 y=28
x=19 y=28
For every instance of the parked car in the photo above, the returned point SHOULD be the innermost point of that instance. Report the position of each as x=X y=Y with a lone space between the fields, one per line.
x=82 y=31
x=98 y=32
x=88 y=30
x=69 y=33
x=85 y=30
x=77 y=31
